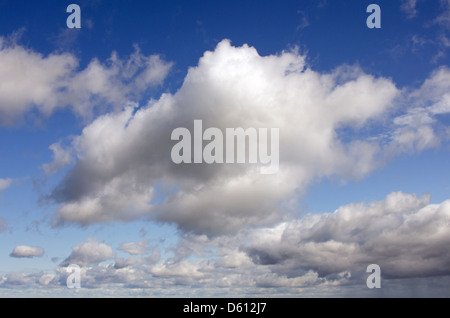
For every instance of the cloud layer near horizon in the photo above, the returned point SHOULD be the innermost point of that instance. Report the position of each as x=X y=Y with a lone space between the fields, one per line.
x=404 y=234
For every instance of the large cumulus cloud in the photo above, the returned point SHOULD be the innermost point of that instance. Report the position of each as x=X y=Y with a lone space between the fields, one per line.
x=124 y=170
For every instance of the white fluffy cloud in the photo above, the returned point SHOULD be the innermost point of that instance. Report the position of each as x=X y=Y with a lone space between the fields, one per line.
x=124 y=169
x=25 y=251
x=30 y=80
x=89 y=253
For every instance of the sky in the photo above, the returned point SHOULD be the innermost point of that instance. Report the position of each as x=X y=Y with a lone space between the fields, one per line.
x=86 y=122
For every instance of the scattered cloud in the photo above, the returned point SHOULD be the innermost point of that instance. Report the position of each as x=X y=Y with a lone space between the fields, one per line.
x=304 y=21
x=33 y=81
x=89 y=253
x=25 y=251
x=423 y=40
x=65 y=38
x=61 y=159
x=404 y=234
x=124 y=170
x=409 y=8
x=444 y=18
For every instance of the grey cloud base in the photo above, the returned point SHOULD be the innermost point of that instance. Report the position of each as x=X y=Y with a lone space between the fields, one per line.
x=124 y=170
x=316 y=255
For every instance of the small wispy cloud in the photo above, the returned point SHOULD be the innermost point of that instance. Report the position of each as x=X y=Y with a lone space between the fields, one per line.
x=304 y=21
x=5 y=184
x=3 y=225
x=409 y=8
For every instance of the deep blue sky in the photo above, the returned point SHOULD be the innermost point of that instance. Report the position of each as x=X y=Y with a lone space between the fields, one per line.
x=183 y=30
